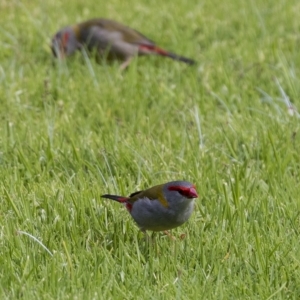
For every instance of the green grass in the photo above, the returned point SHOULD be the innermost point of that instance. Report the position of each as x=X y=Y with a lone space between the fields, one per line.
x=70 y=132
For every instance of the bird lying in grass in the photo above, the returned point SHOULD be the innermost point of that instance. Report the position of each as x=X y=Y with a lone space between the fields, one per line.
x=110 y=39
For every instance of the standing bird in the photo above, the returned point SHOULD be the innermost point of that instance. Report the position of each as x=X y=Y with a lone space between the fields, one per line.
x=161 y=207
x=110 y=39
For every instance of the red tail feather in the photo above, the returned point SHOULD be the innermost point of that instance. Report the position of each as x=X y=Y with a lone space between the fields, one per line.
x=148 y=49
x=153 y=48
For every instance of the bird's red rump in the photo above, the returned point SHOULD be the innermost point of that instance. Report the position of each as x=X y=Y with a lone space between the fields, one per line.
x=128 y=206
x=154 y=49
x=188 y=192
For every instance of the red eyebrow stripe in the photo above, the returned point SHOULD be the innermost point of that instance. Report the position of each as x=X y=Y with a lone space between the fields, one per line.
x=178 y=188
x=189 y=192
x=65 y=38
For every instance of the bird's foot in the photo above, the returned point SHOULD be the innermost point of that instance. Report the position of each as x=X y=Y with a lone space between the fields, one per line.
x=125 y=64
x=169 y=235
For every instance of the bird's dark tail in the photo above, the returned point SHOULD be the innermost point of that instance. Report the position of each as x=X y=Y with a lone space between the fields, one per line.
x=119 y=199
x=181 y=58
x=148 y=49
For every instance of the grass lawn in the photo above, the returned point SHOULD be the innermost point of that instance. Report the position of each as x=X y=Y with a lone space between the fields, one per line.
x=72 y=131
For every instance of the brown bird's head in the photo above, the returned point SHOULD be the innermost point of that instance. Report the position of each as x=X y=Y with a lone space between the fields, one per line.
x=64 y=43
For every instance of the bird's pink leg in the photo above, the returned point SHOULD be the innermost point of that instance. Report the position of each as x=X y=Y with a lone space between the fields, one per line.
x=125 y=64
x=169 y=235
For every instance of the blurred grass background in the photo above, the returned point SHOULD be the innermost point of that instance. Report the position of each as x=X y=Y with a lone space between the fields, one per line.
x=72 y=131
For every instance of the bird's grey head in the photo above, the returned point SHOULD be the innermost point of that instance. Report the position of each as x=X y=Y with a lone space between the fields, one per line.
x=64 y=43
x=180 y=192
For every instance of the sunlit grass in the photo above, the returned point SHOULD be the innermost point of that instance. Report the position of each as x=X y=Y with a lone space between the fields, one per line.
x=72 y=131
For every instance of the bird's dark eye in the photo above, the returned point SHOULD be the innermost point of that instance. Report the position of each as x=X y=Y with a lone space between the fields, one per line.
x=184 y=192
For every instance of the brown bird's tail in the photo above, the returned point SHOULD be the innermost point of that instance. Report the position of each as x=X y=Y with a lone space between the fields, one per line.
x=119 y=199
x=148 y=49
x=181 y=58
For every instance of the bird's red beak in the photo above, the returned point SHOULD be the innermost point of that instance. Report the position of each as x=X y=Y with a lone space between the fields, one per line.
x=193 y=193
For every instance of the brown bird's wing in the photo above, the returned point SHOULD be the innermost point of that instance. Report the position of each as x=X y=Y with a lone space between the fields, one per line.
x=129 y=35
x=115 y=40
x=111 y=38
x=146 y=46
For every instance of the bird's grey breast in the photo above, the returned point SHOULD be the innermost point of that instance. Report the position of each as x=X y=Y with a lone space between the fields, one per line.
x=152 y=215
x=105 y=39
